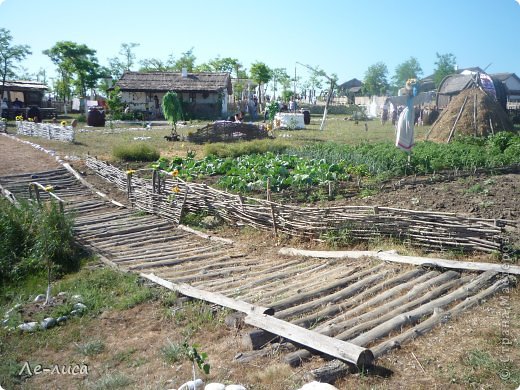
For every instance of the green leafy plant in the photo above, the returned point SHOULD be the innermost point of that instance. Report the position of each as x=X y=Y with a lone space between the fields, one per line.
x=172 y=110
x=197 y=358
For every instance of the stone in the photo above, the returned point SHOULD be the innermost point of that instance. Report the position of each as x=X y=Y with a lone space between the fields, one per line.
x=80 y=307
x=75 y=313
x=61 y=294
x=77 y=298
x=197 y=384
x=317 y=386
x=235 y=387
x=48 y=323
x=28 y=327
x=215 y=386
x=62 y=319
x=39 y=298
x=210 y=222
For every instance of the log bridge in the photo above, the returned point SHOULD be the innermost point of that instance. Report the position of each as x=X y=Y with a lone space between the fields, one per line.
x=354 y=309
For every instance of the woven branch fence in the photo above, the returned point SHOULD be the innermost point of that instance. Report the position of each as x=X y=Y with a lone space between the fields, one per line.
x=45 y=130
x=169 y=197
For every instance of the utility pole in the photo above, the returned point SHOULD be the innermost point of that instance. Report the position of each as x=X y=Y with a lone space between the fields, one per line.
x=331 y=90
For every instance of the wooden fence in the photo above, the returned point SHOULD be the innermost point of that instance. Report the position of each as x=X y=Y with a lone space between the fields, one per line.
x=45 y=130
x=169 y=196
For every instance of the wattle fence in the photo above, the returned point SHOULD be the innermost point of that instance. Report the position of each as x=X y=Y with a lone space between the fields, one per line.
x=45 y=130
x=168 y=196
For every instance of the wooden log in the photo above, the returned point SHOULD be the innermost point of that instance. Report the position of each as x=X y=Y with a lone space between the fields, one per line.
x=439 y=316
x=331 y=372
x=216 y=298
x=358 y=302
x=413 y=316
x=342 y=350
x=351 y=322
x=332 y=298
x=393 y=257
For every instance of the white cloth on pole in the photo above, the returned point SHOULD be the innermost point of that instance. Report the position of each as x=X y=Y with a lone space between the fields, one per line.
x=405 y=129
x=75 y=104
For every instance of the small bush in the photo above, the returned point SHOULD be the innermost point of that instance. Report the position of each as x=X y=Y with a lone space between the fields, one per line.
x=238 y=149
x=135 y=152
x=29 y=236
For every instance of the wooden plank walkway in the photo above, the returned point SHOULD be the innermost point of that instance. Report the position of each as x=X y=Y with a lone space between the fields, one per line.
x=372 y=303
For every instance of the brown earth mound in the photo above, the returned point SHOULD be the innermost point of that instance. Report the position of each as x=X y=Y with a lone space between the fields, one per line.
x=481 y=116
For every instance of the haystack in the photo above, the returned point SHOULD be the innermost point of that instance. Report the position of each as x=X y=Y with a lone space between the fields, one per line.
x=471 y=113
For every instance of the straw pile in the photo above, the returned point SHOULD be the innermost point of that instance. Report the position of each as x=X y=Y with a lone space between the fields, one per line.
x=471 y=113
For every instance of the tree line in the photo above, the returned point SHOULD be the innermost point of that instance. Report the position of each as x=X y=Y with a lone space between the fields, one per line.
x=79 y=71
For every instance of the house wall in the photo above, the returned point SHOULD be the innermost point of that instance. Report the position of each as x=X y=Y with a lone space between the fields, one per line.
x=203 y=105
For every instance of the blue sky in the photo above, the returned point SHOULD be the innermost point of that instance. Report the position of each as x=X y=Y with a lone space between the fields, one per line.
x=343 y=37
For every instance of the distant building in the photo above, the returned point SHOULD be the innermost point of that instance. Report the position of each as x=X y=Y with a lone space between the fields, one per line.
x=351 y=89
x=512 y=84
x=204 y=94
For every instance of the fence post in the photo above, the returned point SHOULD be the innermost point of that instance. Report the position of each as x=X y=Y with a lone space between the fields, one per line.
x=129 y=185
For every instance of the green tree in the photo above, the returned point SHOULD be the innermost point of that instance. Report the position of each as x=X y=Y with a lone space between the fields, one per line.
x=118 y=65
x=172 y=110
x=9 y=55
x=115 y=103
x=445 y=66
x=226 y=64
x=154 y=65
x=279 y=75
x=261 y=74
x=77 y=65
x=410 y=69
x=375 y=82
x=187 y=60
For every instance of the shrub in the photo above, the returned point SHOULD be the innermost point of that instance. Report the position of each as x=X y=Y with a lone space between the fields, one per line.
x=29 y=236
x=238 y=149
x=135 y=152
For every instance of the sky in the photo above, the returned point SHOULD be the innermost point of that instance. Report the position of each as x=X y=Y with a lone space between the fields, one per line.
x=342 y=37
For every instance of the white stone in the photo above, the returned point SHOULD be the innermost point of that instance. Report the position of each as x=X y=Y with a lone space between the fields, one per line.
x=28 y=327
x=39 y=298
x=317 y=386
x=235 y=387
x=79 y=307
x=215 y=386
x=48 y=323
x=197 y=384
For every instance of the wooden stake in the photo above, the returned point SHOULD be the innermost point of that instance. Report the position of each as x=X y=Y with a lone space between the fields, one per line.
x=457 y=119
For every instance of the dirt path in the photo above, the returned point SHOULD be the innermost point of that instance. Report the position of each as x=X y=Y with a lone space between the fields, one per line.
x=16 y=157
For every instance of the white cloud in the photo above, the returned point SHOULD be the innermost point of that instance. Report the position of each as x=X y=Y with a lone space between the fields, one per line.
x=518 y=1
x=1 y=1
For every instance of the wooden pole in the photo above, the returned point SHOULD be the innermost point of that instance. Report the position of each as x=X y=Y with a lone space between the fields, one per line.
x=457 y=119
x=342 y=350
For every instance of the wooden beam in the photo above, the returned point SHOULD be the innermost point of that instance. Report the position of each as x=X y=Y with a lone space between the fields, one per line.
x=209 y=296
x=337 y=348
x=394 y=257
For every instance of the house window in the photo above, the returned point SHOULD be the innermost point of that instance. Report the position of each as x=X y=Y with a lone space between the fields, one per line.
x=193 y=97
x=205 y=95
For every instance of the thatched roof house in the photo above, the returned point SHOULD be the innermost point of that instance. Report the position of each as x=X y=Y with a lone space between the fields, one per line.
x=204 y=95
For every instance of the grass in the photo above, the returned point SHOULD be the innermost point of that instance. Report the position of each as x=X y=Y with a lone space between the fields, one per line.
x=91 y=348
x=140 y=152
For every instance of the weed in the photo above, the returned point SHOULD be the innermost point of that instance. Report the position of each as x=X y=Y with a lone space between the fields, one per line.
x=173 y=352
x=111 y=381
x=91 y=348
x=135 y=152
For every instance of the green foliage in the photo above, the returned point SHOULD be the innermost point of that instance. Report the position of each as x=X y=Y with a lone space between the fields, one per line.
x=246 y=167
x=135 y=152
x=115 y=103
x=272 y=110
x=375 y=81
x=175 y=352
x=237 y=149
x=410 y=69
x=172 y=108
x=445 y=66
x=30 y=236
x=9 y=55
